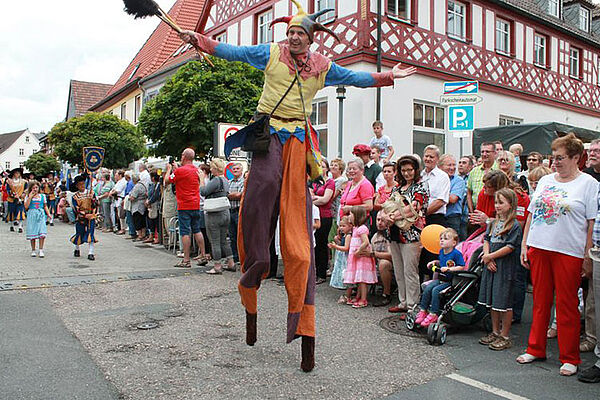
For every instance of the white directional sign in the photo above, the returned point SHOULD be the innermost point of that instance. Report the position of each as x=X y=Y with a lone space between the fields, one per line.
x=458 y=99
x=461 y=87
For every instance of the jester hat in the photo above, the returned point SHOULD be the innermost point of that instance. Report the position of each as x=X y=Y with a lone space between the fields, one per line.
x=308 y=22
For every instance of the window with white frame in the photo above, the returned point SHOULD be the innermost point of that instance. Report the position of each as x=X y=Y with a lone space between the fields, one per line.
x=457 y=19
x=505 y=120
x=265 y=33
x=429 y=122
x=554 y=8
x=574 y=61
x=539 y=50
x=124 y=111
x=221 y=38
x=21 y=152
x=584 y=19
x=27 y=139
x=323 y=5
x=318 y=120
x=7 y=165
x=21 y=164
x=138 y=108
x=399 y=8
x=502 y=36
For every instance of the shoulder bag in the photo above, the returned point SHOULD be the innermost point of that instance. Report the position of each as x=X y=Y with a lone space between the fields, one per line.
x=216 y=204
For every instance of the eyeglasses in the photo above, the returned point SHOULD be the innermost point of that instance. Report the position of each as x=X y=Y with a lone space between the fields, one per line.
x=532 y=159
x=487 y=151
x=503 y=159
x=594 y=150
x=403 y=170
x=560 y=158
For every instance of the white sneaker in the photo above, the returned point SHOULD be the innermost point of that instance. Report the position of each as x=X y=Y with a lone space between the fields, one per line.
x=33 y=253
x=41 y=255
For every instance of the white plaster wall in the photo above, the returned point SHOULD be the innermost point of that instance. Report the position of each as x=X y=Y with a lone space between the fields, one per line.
x=210 y=19
x=554 y=54
x=232 y=34
x=519 y=41
x=477 y=23
x=246 y=31
x=424 y=14
x=490 y=31
x=12 y=153
x=347 y=7
x=529 y=45
x=280 y=10
x=439 y=17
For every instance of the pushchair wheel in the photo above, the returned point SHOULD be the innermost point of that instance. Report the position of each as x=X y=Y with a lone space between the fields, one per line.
x=410 y=320
x=440 y=335
x=431 y=333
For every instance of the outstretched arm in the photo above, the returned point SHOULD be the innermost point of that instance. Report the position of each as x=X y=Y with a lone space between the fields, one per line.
x=338 y=75
x=257 y=56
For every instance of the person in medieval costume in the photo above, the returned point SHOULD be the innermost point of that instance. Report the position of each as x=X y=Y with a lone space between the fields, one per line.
x=48 y=188
x=85 y=206
x=16 y=195
x=277 y=179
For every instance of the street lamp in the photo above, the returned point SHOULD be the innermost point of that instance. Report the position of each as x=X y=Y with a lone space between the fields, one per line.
x=341 y=95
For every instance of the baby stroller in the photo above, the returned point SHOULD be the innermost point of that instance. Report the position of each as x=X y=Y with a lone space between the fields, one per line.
x=459 y=301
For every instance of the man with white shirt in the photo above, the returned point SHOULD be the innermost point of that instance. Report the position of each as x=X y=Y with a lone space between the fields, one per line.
x=119 y=192
x=438 y=183
x=145 y=175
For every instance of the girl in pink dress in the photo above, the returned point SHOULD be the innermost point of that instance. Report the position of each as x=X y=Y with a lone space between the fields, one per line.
x=360 y=269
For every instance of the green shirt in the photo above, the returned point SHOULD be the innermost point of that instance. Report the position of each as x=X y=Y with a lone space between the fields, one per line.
x=475 y=181
x=107 y=188
x=372 y=172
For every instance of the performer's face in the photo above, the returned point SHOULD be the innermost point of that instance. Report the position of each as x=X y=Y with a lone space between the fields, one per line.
x=81 y=186
x=298 y=40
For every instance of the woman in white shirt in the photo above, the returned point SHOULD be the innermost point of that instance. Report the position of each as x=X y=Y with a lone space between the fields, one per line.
x=556 y=240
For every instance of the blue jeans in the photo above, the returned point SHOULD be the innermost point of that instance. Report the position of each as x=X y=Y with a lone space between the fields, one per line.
x=129 y=221
x=520 y=290
x=430 y=300
x=234 y=216
x=189 y=221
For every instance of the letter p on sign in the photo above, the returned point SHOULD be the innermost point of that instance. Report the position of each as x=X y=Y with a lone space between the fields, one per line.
x=460 y=118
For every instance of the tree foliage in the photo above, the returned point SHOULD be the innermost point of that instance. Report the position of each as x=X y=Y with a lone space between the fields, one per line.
x=185 y=111
x=122 y=142
x=42 y=164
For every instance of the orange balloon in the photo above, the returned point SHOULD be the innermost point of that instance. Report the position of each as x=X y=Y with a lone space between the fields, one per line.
x=430 y=238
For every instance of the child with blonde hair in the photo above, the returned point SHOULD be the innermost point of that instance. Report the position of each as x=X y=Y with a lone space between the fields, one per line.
x=341 y=247
x=36 y=205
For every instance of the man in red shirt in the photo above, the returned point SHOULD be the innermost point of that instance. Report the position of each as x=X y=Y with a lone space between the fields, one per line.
x=187 y=191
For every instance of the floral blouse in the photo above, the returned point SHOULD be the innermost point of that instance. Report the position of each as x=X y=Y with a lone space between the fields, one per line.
x=418 y=192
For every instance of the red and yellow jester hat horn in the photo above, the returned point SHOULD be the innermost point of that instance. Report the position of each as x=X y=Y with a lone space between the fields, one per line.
x=307 y=22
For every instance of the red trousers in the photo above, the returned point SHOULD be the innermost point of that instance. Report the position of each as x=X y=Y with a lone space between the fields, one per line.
x=555 y=272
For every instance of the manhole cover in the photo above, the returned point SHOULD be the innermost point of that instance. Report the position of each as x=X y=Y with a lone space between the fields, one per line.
x=147 y=325
x=395 y=325
x=78 y=266
x=173 y=313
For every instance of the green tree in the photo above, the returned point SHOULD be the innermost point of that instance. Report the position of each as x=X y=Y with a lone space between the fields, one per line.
x=122 y=142
x=185 y=111
x=41 y=164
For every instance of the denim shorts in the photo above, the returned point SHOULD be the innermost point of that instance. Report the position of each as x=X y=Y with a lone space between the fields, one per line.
x=189 y=221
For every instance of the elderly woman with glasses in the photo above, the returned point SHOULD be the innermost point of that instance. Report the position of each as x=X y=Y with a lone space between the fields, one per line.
x=556 y=241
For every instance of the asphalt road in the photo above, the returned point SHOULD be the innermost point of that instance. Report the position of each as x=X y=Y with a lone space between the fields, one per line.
x=75 y=340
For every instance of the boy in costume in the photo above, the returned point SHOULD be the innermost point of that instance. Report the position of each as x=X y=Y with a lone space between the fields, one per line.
x=16 y=195
x=85 y=206
x=48 y=189
x=276 y=183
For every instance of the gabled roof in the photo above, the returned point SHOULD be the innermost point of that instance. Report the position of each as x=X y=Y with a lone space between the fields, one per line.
x=7 y=139
x=161 y=44
x=83 y=95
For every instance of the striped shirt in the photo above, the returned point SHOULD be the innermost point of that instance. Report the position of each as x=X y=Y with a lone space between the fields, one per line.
x=475 y=181
x=236 y=186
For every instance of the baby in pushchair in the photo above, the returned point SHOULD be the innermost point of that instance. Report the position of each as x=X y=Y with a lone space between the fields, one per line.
x=450 y=260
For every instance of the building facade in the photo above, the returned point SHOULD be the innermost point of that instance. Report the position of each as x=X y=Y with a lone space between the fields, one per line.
x=536 y=61
x=16 y=148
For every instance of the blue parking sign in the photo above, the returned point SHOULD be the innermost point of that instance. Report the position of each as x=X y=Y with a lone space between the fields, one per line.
x=460 y=118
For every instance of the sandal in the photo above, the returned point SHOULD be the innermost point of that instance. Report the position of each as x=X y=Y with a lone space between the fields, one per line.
x=551 y=333
x=360 y=304
x=489 y=339
x=568 y=369
x=501 y=343
x=343 y=299
x=527 y=358
x=586 y=345
x=214 y=272
x=183 y=264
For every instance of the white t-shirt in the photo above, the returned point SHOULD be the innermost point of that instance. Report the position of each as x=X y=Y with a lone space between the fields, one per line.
x=384 y=142
x=560 y=213
x=119 y=188
x=439 y=187
x=316 y=215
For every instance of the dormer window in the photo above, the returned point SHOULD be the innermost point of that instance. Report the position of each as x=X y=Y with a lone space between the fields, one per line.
x=554 y=8
x=584 y=19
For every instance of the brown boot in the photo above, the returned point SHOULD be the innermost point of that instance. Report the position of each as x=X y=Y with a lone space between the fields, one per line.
x=308 y=353
x=250 y=329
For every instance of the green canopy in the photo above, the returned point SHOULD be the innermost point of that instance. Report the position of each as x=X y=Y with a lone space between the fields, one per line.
x=533 y=137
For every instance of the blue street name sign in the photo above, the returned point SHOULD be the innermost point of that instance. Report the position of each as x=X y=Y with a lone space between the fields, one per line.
x=460 y=118
x=464 y=87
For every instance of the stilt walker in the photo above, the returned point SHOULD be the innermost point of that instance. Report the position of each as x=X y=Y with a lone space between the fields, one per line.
x=16 y=196
x=277 y=180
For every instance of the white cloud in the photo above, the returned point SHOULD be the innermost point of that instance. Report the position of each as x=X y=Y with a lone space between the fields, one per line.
x=46 y=43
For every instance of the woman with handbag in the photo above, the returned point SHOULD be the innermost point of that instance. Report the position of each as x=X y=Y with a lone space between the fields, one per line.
x=152 y=204
x=216 y=213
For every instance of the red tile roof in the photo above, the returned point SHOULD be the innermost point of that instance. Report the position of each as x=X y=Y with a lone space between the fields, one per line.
x=159 y=47
x=83 y=95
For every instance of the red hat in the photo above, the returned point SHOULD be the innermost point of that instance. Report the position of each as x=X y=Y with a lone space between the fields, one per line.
x=361 y=149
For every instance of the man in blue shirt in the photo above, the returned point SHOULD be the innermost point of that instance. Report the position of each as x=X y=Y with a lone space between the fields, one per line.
x=458 y=189
x=128 y=216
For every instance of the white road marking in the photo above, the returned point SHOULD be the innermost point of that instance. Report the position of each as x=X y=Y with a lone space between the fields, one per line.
x=486 y=387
